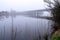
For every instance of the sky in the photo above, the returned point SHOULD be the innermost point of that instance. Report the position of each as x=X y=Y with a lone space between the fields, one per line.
x=21 y=5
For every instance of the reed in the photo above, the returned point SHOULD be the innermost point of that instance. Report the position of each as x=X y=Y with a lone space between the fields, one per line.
x=4 y=33
x=12 y=29
x=46 y=36
x=15 y=35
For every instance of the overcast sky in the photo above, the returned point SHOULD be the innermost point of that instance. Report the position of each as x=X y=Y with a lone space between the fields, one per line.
x=21 y=5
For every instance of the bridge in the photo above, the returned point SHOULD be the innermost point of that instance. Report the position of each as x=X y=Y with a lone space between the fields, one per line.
x=41 y=17
x=33 y=14
x=37 y=13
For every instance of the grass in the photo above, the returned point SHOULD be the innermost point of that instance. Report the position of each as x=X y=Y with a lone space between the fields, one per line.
x=56 y=35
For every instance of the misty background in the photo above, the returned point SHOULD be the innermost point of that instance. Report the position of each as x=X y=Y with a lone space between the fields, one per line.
x=24 y=20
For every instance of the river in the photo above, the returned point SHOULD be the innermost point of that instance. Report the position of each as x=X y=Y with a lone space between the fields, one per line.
x=24 y=28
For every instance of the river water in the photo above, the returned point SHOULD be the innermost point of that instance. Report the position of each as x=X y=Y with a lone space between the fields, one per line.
x=25 y=28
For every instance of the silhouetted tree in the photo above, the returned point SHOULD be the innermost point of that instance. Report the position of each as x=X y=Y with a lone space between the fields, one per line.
x=55 y=12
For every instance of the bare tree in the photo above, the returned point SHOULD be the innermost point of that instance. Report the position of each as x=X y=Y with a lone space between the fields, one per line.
x=55 y=12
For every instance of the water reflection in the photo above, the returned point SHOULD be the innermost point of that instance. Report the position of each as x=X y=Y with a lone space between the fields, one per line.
x=18 y=27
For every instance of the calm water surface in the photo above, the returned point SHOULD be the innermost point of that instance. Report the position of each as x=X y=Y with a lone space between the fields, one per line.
x=26 y=28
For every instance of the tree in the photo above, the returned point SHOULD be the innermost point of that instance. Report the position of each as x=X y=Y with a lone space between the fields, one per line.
x=55 y=12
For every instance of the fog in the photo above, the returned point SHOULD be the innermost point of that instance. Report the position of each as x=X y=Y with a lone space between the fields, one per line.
x=27 y=25
x=24 y=20
x=21 y=5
